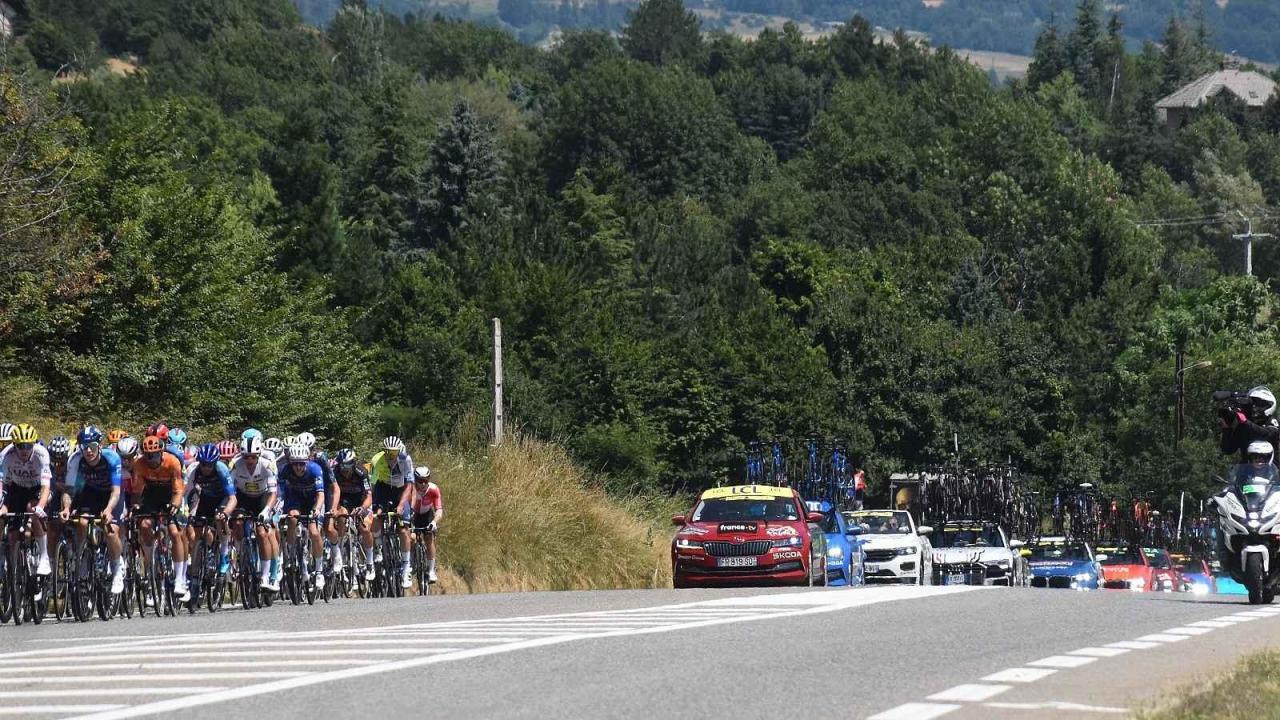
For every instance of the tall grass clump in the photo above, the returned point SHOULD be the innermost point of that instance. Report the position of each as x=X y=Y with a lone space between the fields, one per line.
x=522 y=516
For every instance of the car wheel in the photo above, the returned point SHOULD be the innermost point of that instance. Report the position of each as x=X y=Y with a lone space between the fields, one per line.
x=679 y=583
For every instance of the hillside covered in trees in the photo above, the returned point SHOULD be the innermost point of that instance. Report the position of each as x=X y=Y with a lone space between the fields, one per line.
x=693 y=241
x=1244 y=27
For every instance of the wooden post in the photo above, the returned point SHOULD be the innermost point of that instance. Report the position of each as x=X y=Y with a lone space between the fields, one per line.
x=497 y=381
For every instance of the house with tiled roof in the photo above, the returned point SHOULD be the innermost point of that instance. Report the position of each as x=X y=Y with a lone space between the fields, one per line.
x=1244 y=86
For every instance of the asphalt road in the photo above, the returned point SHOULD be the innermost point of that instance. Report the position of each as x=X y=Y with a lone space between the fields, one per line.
x=884 y=652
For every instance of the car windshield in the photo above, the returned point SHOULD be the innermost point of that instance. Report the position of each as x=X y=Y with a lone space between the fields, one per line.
x=744 y=509
x=1189 y=568
x=1059 y=551
x=881 y=522
x=1122 y=555
x=970 y=536
x=1157 y=557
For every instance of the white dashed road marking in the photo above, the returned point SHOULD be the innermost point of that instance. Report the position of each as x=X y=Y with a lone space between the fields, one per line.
x=969 y=693
x=211 y=668
x=915 y=711
x=1020 y=675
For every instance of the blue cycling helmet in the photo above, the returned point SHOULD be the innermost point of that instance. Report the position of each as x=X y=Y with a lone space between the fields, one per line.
x=251 y=432
x=178 y=435
x=88 y=435
x=208 y=453
x=346 y=456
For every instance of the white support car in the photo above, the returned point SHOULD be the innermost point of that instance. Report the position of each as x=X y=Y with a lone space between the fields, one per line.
x=894 y=549
x=974 y=552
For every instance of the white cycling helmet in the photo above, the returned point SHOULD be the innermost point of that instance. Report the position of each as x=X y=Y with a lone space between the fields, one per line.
x=1267 y=397
x=298 y=451
x=127 y=447
x=307 y=439
x=274 y=445
x=422 y=472
x=393 y=444
x=6 y=432
x=251 y=445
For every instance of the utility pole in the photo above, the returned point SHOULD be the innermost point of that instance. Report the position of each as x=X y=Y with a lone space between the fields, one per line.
x=1179 y=390
x=1248 y=237
x=497 y=381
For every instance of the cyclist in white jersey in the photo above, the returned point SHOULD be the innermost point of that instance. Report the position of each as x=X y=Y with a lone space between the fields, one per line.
x=255 y=479
x=25 y=476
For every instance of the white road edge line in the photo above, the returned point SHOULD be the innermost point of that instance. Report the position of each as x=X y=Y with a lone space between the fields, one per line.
x=42 y=709
x=837 y=601
x=969 y=692
x=915 y=711
x=1020 y=675
x=1057 y=705
x=1100 y=652
x=1062 y=661
x=1163 y=638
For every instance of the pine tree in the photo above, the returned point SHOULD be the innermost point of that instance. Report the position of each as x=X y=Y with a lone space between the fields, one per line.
x=1050 y=57
x=1083 y=44
x=662 y=32
x=464 y=180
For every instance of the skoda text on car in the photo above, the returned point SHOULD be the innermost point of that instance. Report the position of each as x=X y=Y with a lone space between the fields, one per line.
x=1197 y=576
x=748 y=535
x=844 y=548
x=974 y=552
x=895 y=549
x=1164 y=575
x=1056 y=562
x=1126 y=568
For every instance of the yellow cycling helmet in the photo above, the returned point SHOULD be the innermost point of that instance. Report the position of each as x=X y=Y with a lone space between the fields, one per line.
x=24 y=433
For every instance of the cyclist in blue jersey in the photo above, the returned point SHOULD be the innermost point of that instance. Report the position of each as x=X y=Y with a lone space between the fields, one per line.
x=212 y=495
x=303 y=482
x=331 y=495
x=93 y=473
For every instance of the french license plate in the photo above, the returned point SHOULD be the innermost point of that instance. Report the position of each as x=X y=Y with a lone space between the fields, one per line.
x=736 y=562
x=871 y=567
x=953 y=579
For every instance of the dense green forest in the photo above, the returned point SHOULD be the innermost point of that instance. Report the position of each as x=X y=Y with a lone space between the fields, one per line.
x=1244 y=27
x=692 y=241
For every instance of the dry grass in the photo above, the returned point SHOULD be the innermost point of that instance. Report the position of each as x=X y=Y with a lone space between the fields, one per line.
x=523 y=517
x=1251 y=691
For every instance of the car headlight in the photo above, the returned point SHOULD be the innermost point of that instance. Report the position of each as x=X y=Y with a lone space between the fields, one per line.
x=908 y=550
x=836 y=553
x=793 y=541
x=687 y=543
x=1084 y=577
x=1200 y=589
x=1137 y=584
x=1003 y=564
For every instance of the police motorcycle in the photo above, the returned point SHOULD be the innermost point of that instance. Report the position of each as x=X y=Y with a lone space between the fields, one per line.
x=1249 y=517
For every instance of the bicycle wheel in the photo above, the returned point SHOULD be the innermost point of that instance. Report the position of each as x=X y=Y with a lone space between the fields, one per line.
x=306 y=571
x=34 y=590
x=17 y=582
x=61 y=580
x=106 y=600
x=420 y=564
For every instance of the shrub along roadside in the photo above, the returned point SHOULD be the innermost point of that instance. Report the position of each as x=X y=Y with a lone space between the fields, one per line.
x=1251 y=691
x=523 y=517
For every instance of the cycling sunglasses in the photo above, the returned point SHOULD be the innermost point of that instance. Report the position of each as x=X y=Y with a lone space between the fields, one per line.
x=24 y=446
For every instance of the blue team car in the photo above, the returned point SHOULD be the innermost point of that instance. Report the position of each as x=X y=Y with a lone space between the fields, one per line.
x=844 y=549
x=1057 y=562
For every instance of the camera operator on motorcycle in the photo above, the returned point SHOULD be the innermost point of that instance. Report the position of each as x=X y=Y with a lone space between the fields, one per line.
x=1245 y=418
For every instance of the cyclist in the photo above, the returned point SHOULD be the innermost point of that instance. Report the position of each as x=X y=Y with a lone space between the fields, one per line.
x=255 y=481
x=25 y=476
x=227 y=451
x=59 y=492
x=304 y=492
x=127 y=449
x=354 y=498
x=210 y=485
x=115 y=436
x=6 y=435
x=158 y=485
x=428 y=511
x=177 y=444
x=274 y=448
x=94 y=475
x=391 y=475
x=331 y=495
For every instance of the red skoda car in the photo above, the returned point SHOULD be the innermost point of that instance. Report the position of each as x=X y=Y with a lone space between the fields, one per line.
x=748 y=535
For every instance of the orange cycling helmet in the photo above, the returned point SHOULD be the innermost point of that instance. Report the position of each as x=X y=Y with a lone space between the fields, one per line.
x=152 y=444
x=115 y=436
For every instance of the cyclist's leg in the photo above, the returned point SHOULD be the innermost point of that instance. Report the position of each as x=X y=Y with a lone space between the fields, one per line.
x=178 y=553
x=43 y=566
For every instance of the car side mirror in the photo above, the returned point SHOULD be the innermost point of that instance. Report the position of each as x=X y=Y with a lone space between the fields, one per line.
x=1101 y=557
x=815 y=517
x=853 y=530
x=924 y=530
x=677 y=520
x=1015 y=544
